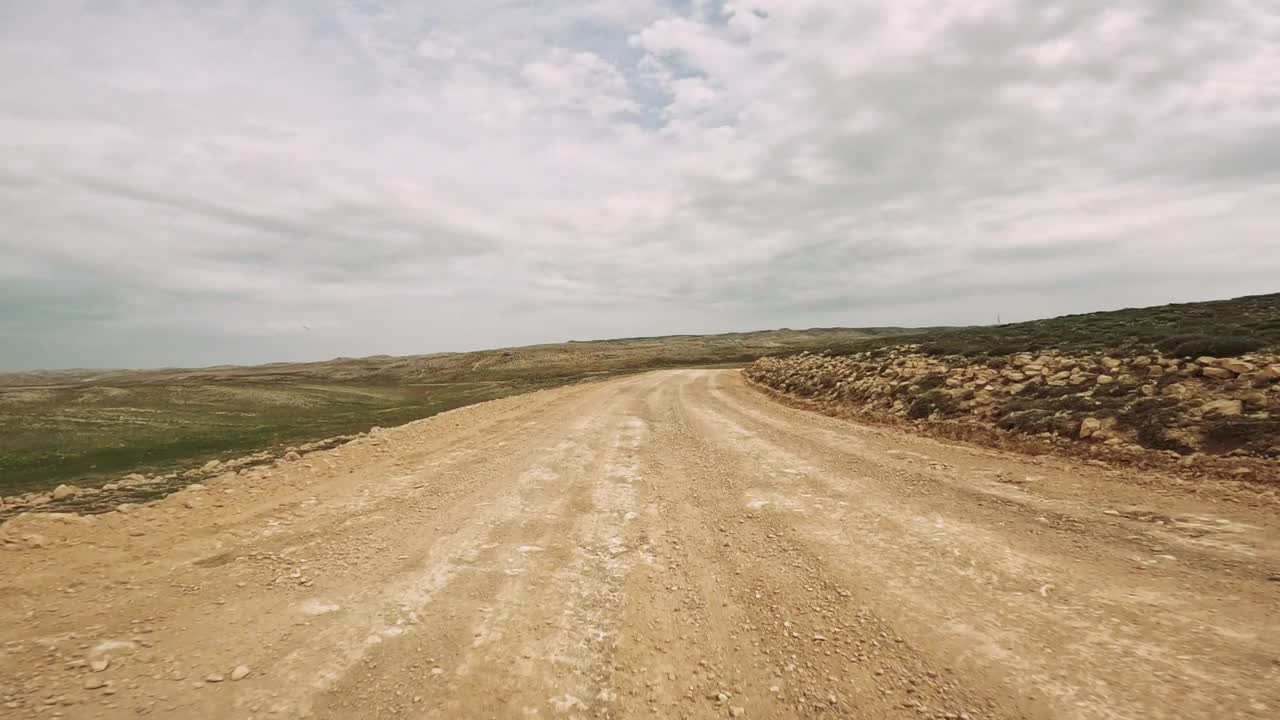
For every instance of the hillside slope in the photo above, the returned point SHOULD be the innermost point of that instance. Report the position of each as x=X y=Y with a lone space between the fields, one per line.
x=1196 y=385
x=89 y=426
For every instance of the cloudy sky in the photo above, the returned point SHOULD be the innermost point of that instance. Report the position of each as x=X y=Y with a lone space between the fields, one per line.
x=204 y=181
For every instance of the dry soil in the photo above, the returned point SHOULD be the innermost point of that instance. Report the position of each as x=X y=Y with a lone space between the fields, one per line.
x=671 y=544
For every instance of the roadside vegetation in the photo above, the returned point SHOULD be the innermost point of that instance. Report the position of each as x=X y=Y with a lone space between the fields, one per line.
x=1194 y=384
x=84 y=427
x=80 y=435
x=1221 y=328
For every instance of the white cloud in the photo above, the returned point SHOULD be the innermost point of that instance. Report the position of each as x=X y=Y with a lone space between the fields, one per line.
x=408 y=177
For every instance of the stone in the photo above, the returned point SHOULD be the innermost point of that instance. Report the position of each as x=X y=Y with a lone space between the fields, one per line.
x=1089 y=426
x=1239 y=367
x=1105 y=380
x=292 y=456
x=63 y=491
x=1155 y=371
x=737 y=711
x=94 y=683
x=214 y=677
x=211 y=466
x=1223 y=408
x=1217 y=373
x=1270 y=372
x=241 y=672
x=100 y=664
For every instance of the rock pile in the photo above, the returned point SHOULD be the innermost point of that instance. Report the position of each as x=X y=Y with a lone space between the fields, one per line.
x=1146 y=403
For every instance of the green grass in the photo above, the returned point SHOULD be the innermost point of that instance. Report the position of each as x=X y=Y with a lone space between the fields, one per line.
x=91 y=426
x=1223 y=327
x=88 y=435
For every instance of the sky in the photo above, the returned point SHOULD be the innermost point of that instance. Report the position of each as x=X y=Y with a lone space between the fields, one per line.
x=193 y=182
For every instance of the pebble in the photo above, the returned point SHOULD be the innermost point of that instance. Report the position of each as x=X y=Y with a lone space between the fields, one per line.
x=736 y=711
x=241 y=672
x=100 y=665
x=214 y=677
x=94 y=683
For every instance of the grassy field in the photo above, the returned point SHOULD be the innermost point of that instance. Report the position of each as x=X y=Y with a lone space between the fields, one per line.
x=51 y=435
x=1220 y=328
x=86 y=426
x=90 y=426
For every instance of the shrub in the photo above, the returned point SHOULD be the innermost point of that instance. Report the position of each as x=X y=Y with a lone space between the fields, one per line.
x=1242 y=432
x=1150 y=418
x=931 y=381
x=1216 y=346
x=929 y=403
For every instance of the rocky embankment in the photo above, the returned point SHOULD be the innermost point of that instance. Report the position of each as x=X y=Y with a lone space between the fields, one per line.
x=1218 y=416
x=129 y=491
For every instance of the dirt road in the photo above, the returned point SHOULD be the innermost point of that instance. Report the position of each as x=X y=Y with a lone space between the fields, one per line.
x=672 y=544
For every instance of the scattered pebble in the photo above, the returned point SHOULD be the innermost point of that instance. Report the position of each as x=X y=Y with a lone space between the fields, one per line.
x=214 y=677
x=241 y=672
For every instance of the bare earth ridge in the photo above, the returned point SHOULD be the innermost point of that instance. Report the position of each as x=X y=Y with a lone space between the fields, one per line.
x=672 y=544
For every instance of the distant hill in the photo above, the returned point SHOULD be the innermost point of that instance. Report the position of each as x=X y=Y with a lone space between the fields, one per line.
x=534 y=362
x=1220 y=328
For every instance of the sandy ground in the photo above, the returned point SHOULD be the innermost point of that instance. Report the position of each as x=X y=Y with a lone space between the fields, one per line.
x=672 y=544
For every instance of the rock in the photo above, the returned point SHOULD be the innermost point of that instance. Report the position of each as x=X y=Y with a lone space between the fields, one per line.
x=214 y=677
x=94 y=683
x=126 y=507
x=111 y=486
x=195 y=487
x=1105 y=380
x=1222 y=408
x=1239 y=367
x=737 y=711
x=63 y=491
x=1089 y=426
x=1155 y=371
x=194 y=503
x=1270 y=372
x=241 y=672
x=211 y=466
x=292 y=456
x=100 y=664
x=1217 y=373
